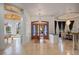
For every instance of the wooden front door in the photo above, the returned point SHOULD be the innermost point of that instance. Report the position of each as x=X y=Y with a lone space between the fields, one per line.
x=38 y=29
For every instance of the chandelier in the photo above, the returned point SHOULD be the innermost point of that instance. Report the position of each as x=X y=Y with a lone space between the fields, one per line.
x=39 y=15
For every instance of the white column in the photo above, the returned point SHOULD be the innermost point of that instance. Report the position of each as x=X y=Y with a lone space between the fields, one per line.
x=2 y=44
x=24 y=28
x=57 y=29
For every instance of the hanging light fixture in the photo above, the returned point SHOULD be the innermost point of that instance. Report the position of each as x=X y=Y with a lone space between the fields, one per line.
x=39 y=15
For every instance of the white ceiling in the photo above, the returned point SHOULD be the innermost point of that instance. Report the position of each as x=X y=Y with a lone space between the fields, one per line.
x=54 y=9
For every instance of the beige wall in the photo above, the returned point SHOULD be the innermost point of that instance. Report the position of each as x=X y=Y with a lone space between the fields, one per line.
x=2 y=44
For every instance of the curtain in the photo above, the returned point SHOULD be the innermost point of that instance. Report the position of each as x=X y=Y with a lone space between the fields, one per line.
x=55 y=25
x=71 y=25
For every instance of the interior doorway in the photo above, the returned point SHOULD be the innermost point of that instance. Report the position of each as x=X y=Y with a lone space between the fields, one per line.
x=38 y=29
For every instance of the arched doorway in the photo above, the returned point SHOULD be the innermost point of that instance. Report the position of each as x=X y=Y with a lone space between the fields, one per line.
x=39 y=28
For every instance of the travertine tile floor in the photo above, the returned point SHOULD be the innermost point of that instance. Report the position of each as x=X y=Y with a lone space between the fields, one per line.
x=58 y=47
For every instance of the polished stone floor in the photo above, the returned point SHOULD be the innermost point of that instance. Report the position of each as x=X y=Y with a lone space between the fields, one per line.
x=58 y=46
